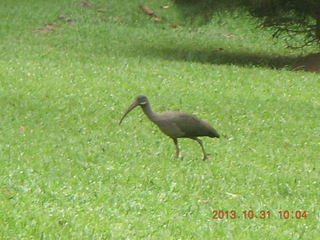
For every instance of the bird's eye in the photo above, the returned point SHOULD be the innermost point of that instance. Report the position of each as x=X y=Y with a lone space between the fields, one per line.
x=143 y=103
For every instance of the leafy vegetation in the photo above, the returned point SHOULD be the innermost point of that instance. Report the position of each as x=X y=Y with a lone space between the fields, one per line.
x=68 y=70
x=296 y=21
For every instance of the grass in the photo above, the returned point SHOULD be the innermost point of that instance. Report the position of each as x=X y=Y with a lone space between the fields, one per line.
x=67 y=170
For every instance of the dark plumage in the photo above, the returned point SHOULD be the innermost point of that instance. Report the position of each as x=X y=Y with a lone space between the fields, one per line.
x=176 y=124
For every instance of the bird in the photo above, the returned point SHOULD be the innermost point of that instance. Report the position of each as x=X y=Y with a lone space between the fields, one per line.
x=175 y=124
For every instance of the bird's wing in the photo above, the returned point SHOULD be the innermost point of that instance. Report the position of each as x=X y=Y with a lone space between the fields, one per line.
x=180 y=124
x=192 y=126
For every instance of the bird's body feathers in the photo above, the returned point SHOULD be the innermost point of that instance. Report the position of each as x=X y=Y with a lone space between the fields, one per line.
x=184 y=125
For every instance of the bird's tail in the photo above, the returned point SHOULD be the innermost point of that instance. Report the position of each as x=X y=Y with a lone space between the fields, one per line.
x=214 y=133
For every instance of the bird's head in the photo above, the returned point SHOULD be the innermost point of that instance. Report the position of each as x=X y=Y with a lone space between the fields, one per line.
x=140 y=100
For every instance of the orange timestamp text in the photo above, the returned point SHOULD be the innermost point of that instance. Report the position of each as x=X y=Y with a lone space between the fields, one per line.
x=286 y=214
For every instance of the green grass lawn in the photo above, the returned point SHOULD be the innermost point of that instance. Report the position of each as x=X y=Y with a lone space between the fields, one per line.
x=68 y=171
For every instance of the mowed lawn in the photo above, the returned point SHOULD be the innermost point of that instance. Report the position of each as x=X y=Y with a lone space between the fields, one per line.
x=68 y=71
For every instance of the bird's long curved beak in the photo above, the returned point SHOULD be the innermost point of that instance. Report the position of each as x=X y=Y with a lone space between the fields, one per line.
x=132 y=106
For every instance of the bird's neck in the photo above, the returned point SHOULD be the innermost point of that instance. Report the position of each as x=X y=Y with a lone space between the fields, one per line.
x=150 y=114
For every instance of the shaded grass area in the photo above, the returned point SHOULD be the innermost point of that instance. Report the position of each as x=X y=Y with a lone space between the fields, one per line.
x=68 y=171
x=221 y=57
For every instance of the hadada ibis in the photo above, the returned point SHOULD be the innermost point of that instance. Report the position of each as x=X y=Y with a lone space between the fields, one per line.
x=176 y=124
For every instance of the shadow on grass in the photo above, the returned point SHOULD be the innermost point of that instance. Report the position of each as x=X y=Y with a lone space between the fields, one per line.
x=219 y=56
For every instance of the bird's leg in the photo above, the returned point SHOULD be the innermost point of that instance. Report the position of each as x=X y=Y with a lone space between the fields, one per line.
x=175 y=140
x=205 y=156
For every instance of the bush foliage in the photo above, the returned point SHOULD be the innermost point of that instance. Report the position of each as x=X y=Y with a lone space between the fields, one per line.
x=297 y=21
